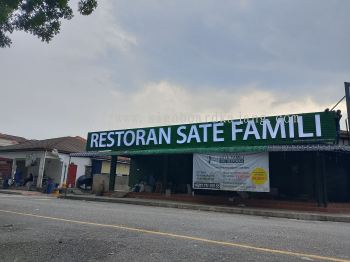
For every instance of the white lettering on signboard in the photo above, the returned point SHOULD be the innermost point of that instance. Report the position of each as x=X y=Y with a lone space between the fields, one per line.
x=318 y=126
x=193 y=135
x=251 y=130
x=273 y=132
x=140 y=137
x=205 y=131
x=152 y=137
x=94 y=140
x=119 y=134
x=166 y=136
x=236 y=130
x=210 y=132
x=217 y=131
x=102 y=139
x=291 y=126
x=181 y=134
x=301 y=128
x=110 y=139
x=129 y=141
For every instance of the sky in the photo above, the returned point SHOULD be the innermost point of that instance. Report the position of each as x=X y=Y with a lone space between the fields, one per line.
x=158 y=62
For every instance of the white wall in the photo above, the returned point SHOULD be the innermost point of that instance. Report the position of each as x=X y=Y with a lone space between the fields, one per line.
x=81 y=163
x=53 y=170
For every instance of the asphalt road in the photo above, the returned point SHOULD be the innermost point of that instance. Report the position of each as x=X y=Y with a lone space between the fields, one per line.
x=48 y=229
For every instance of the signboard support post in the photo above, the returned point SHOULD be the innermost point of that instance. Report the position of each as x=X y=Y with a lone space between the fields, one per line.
x=165 y=172
x=324 y=180
x=321 y=179
x=318 y=180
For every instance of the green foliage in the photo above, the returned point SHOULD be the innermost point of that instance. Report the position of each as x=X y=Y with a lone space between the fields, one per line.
x=41 y=18
x=86 y=7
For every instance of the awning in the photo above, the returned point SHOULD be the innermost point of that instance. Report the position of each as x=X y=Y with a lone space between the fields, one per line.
x=236 y=149
x=99 y=156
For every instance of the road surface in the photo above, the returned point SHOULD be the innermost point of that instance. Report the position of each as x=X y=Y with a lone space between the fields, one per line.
x=37 y=228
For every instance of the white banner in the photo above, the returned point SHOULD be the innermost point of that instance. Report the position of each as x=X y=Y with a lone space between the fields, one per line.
x=232 y=171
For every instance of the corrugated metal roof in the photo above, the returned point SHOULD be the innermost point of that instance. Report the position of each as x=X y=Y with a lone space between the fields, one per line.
x=89 y=154
x=309 y=148
x=237 y=149
x=97 y=155
x=62 y=144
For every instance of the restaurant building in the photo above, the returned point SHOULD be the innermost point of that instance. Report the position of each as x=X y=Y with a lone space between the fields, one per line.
x=290 y=157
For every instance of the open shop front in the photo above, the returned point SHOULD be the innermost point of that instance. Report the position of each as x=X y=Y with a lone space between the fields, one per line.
x=313 y=174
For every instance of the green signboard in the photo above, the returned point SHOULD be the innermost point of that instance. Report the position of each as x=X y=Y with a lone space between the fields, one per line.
x=308 y=128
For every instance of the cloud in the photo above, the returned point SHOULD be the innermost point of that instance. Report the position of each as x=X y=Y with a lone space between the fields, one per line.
x=148 y=62
x=165 y=103
x=282 y=45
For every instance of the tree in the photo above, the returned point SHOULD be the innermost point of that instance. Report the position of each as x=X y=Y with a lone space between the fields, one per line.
x=41 y=18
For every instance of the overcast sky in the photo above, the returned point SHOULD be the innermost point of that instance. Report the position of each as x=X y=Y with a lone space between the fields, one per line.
x=146 y=63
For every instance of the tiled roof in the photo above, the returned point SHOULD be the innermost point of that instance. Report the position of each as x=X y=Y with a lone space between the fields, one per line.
x=66 y=144
x=18 y=139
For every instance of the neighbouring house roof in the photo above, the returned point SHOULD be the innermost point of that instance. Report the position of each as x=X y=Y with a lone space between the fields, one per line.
x=66 y=144
x=15 y=139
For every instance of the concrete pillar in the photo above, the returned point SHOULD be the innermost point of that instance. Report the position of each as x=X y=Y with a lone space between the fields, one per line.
x=63 y=172
x=112 y=173
x=41 y=171
x=14 y=166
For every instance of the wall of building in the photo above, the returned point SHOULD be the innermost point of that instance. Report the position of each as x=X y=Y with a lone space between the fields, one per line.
x=96 y=166
x=172 y=171
x=122 y=168
x=106 y=167
x=54 y=166
x=82 y=163
x=293 y=175
x=337 y=167
x=5 y=167
x=37 y=169
x=53 y=170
